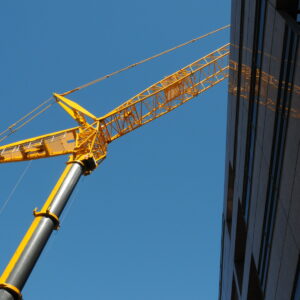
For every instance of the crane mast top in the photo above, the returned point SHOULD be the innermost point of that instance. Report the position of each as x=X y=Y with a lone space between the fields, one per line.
x=87 y=143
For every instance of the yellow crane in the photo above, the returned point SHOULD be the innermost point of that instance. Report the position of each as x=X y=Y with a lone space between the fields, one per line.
x=87 y=146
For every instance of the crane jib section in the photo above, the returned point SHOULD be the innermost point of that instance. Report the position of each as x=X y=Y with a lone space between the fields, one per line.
x=91 y=139
x=169 y=93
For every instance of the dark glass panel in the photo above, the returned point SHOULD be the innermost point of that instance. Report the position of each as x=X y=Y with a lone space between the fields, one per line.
x=229 y=204
x=254 y=290
x=240 y=246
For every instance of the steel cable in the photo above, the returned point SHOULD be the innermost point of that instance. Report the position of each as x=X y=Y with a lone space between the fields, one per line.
x=43 y=106
x=15 y=188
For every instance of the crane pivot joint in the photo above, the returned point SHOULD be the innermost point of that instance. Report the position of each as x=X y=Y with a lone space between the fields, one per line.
x=88 y=164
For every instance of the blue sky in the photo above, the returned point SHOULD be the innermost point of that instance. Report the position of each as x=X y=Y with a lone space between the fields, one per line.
x=147 y=223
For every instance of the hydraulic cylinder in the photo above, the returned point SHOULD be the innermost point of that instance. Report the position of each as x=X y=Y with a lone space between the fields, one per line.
x=20 y=266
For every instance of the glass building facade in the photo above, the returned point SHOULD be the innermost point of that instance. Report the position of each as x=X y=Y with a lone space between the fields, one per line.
x=261 y=219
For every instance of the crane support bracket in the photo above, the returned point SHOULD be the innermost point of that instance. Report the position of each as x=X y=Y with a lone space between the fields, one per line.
x=11 y=289
x=48 y=214
x=89 y=164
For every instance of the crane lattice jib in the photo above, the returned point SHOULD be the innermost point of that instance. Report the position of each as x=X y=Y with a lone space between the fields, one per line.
x=90 y=139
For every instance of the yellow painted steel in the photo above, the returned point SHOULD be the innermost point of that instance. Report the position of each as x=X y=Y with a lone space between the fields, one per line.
x=49 y=215
x=19 y=250
x=48 y=145
x=75 y=107
x=46 y=208
x=12 y=288
x=90 y=140
x=54 y=191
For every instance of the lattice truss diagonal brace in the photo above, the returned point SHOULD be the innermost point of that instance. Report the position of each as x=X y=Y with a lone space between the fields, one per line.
x=90 y=139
